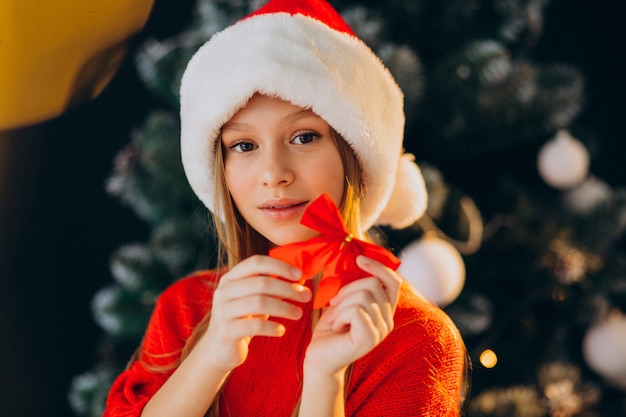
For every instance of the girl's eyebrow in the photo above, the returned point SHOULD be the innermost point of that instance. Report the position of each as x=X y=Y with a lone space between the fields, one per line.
x=242 y=127
x=301 y=114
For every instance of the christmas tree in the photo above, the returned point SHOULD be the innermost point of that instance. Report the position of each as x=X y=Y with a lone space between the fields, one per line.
x=522 y=245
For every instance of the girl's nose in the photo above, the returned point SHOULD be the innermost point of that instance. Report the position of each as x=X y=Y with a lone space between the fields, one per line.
x=277 y=169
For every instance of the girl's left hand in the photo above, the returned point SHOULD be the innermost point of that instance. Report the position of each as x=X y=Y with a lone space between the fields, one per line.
x=360 y=316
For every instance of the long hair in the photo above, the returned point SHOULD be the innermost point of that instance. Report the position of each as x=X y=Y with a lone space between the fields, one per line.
x=237 y=240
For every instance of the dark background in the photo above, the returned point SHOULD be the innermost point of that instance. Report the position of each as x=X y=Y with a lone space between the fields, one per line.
x=58 y=226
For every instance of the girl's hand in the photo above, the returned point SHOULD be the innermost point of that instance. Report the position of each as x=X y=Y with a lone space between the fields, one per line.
x=243 y=302
x=360 y=316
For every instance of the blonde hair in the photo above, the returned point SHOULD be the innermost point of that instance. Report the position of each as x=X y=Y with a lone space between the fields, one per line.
x=237 y=240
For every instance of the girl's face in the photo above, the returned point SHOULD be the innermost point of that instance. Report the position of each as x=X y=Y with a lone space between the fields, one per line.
x=278 y=158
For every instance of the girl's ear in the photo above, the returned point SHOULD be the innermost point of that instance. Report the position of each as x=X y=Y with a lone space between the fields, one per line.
x=409 y=196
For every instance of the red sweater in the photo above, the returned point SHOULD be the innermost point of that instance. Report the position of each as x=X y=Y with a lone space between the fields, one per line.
x=416 y=371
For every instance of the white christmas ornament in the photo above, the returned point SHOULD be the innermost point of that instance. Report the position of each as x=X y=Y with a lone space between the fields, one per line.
x=563 y=162
x=587 y=196
x=435 y=268
x=604 y=349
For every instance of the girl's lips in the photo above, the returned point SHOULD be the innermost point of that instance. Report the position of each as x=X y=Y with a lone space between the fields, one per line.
x=284 y=211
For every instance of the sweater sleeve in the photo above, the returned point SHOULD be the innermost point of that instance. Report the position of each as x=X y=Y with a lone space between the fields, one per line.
x=417 y=371
x=176 y=313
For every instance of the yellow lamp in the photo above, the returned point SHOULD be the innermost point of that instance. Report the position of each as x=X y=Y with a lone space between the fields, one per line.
x=55 y=54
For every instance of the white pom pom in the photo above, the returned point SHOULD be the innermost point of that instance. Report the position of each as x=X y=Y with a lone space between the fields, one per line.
x=409 y=196
x=587 y=196
x=435 y=268
x=563 y=162
x=604 y=349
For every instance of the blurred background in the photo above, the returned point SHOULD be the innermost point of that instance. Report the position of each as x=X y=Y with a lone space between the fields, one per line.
x=59 y=227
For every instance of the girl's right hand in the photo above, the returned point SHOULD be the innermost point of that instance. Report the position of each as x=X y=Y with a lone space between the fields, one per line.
x=244 y=301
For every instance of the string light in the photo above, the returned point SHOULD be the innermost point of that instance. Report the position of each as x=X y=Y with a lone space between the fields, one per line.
x=488 y=358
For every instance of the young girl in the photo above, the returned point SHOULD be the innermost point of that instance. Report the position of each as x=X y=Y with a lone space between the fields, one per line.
x=276 y=110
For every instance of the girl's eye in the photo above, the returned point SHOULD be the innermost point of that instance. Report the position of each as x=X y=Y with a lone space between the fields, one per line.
x=243 y=146
x=304 y=138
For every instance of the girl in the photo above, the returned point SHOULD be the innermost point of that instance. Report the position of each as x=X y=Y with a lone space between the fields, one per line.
x=276 y=110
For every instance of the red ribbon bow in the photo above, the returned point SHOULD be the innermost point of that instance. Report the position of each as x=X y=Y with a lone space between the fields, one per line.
x=333 y=253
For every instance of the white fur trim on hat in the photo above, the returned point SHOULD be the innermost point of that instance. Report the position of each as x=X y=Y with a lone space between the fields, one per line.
x=305 y=62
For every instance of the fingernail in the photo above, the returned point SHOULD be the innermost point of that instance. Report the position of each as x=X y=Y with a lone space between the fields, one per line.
x=363 y=260
x=297 y=312
x=305 y=293
x=295 y=272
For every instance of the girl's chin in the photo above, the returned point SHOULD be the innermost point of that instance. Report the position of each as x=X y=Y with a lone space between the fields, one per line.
x=283 y=239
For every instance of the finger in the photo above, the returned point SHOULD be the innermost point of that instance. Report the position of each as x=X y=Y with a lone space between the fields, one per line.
x=380 y=314
x=361 y=328
x=365 y=292
x=390 y=279
x=255 y=326
x=263 y=285
x=263 y=265
x=365 y=332
x=259 y=305
x=357 y=293
x=372 y=285
x=370 y=325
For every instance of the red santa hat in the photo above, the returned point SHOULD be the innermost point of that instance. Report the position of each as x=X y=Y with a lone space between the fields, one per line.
x=303 y=52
